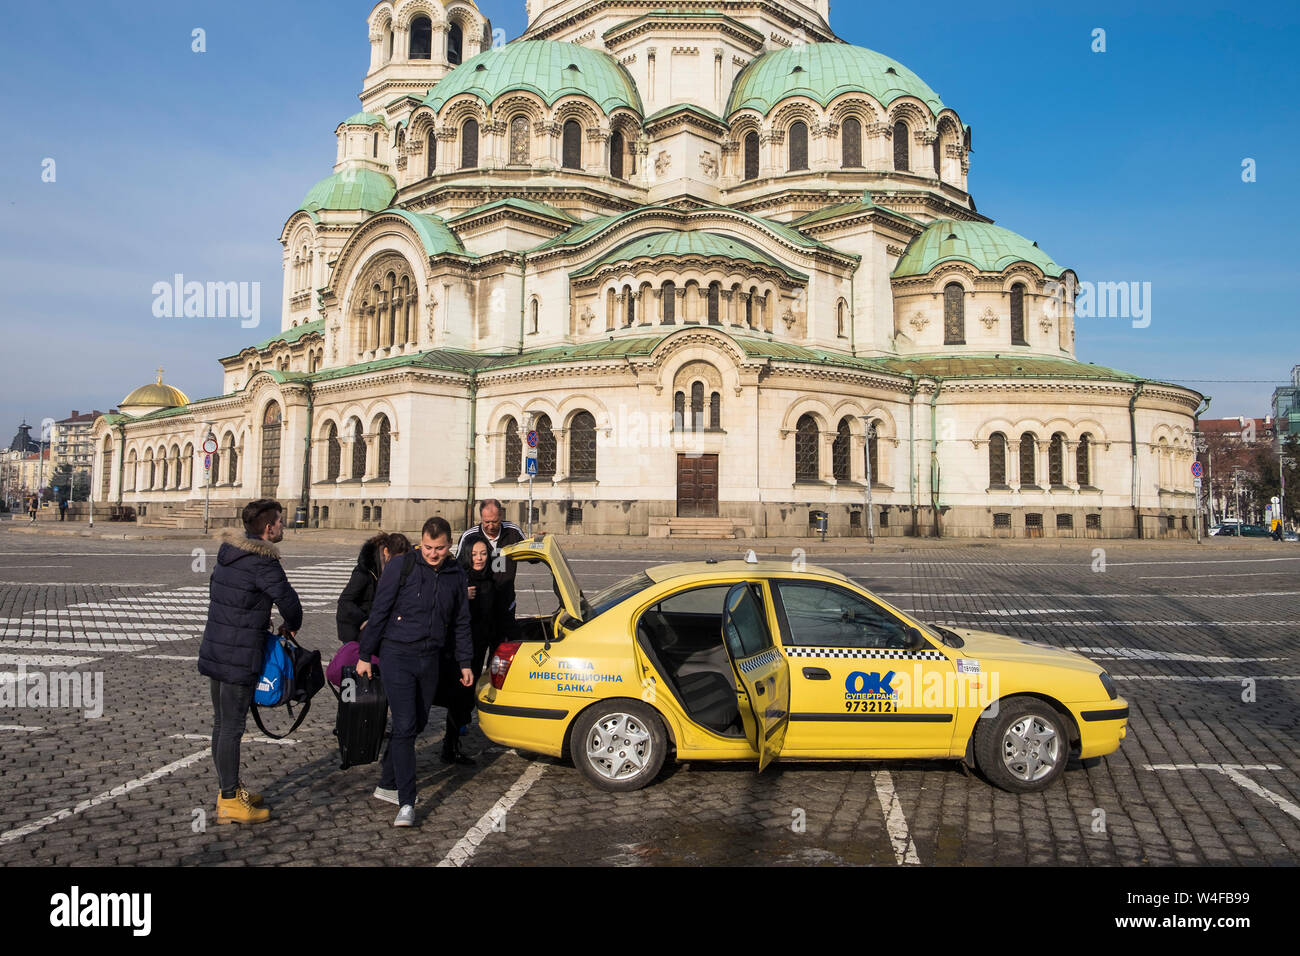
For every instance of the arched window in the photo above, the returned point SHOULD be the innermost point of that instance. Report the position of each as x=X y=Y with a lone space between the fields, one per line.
x=162 y=460
x=841 y=320
x=187 y=457
x=851 y=143
x=806 y=464
x=392 y=40
x=715 y=411
x=616 y=155
x=697 y=406
x=715 y=301
x=679 y=411
x=954 y=314
x=749 y=309
x=232 y=459
x=384 y=451
x=1056 y=460
x=514 y=448
x=1082 y=464
x=333 y=453
x=545 y=448
x=668 y=298
x=798 y=146
x=629 y=300
x=536 y=317
x=271 y=450
x=840 y=450
x=131 y=467
x=455 y=43
x=582 y=447
x=421 y=38
x=374 y=150
x=571 y=148
x=1028 y=453
x=901 y=147
x=520 y=146
x=358 y=450
x=751 y=156
x=937 y=157
x=1018 y=315
x=469 y=144
x=611 y=309
x=431 y=146
x=997 y=460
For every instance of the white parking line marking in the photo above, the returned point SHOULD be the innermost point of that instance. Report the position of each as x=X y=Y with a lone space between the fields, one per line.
x=465 y=848
x=1233 y=771
x=1142 y=654
x=247 y=738
x=20 y=727
x=73 y=646
x=1295 y=624
x=18 y=833
x=166 y=657
x=895 y=822
x=1234 y=678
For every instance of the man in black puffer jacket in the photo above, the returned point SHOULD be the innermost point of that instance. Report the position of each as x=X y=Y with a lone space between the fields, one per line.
x=247 y=580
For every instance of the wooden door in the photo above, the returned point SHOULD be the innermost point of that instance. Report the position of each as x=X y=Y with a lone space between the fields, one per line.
x=697 y=486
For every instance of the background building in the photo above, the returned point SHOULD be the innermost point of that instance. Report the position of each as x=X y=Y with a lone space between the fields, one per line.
x=727 y=268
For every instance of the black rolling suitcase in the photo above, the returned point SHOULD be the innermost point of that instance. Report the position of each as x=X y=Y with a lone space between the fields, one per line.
x=363 y=714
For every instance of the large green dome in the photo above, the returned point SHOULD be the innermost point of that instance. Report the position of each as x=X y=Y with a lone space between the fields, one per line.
x=987 y=247
x=351 y=189
x=823 y=71
x=546 y=67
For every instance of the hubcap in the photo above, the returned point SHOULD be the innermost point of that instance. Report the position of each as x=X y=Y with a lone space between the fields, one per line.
x=619 y=746
x=1031 y=748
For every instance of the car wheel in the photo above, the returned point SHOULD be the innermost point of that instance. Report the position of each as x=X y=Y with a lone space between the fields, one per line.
x=619 y=745
x=1024 y=748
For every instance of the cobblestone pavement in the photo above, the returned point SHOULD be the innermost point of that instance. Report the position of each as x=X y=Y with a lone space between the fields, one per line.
x=1208 y=775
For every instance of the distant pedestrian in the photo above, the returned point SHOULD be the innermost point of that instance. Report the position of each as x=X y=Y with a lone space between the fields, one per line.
x=246 y=582
x=32 y=505
x=63 y=509
x=410 y=622
x=1277 y=529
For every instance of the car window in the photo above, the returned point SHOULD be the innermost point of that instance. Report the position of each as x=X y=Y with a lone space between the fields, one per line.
x=745 y=626
x=822 y=615
x=622 y=590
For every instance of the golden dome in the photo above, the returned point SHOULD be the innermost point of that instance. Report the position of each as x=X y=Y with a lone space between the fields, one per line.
x=156 y=394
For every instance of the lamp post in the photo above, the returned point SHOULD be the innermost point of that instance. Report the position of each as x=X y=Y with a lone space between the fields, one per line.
x=870 y=432
x=207 y=476
x=1283 y=463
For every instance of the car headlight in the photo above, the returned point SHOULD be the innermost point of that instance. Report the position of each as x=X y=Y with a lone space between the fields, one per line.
x=1109 y=684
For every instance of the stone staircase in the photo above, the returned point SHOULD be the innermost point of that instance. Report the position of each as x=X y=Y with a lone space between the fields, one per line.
x=186 y=516
x=700 y=528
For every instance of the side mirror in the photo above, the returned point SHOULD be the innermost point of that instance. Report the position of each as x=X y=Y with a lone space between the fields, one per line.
x=915 y=639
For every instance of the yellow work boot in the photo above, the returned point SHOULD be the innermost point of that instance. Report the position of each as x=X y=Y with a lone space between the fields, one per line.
x=238 y=809
x=254 y=799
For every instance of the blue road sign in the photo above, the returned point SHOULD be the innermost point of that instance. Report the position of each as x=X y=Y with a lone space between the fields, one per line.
x=531 y=468
x=1197 y=469
x=532 y=439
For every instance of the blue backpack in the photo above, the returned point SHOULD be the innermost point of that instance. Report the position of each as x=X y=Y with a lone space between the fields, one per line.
x=290 y=674
x=277 y=674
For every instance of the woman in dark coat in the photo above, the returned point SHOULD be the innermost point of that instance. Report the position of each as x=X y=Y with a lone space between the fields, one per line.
x=359 y=595
x=485 y=625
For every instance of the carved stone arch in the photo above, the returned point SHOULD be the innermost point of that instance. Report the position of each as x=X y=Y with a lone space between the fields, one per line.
x=507 y=409
x=380 y=407
x=697 y=370
x=796 y=109
x=458 y=109
x=1024 y=273
x=625 y=121
x=509 y=105
x=949 y=272
x=468 y=18
x=913 y=112
x=808 y=405
x=864 y=108
x=584 y=402
x=697 y=342
x=408 y=10
x=576 y=108
x=888 y=426
x=1003 y=425
x=381 y=20
x=422 y=124
x=1093 y=428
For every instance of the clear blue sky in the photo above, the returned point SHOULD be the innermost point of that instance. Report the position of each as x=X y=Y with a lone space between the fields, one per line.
x=1124 y=165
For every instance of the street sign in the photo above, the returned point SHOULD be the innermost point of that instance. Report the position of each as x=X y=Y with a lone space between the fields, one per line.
x=532 y=439
x=1196 y=483
x=530 y=466
x=1197 y=469
x=210 y=446
x=207 y=462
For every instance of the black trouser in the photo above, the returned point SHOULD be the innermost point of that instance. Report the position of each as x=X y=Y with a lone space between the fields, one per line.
x=411 y=683
x=230 y=703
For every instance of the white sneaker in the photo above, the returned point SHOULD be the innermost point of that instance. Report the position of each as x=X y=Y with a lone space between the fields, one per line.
x=405 y=817
x=388 y=796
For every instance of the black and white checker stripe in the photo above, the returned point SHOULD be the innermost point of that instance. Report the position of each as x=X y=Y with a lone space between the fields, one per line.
x=769 y=656
x=868 y=652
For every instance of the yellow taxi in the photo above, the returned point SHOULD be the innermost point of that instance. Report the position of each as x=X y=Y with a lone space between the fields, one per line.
x=767 y=660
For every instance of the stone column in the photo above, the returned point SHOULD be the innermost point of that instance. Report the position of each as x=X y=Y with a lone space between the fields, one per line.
x=1013 y=463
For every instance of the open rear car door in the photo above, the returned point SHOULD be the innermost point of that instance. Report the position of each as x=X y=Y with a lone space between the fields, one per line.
x=761 y=670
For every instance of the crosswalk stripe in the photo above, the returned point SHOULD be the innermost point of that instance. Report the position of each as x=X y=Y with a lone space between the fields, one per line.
x=74 y=646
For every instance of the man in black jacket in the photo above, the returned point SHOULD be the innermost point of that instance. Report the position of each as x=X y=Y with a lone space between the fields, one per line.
x=498 y=534
x=421 y=603
x=247 y=580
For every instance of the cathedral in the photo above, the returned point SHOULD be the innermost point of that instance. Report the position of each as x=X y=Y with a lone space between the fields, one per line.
x=707 y=270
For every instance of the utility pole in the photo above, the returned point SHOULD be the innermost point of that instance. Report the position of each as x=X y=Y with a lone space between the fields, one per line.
x=871 y=517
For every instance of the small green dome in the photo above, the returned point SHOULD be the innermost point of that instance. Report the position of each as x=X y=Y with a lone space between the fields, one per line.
x=823 y=71
x=987 y=247
x=351 y=189
x=682 y=244
x=364 y=119
x=546 y=67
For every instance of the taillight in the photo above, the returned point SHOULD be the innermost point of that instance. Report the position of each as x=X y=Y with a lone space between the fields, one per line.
x=501 y=661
